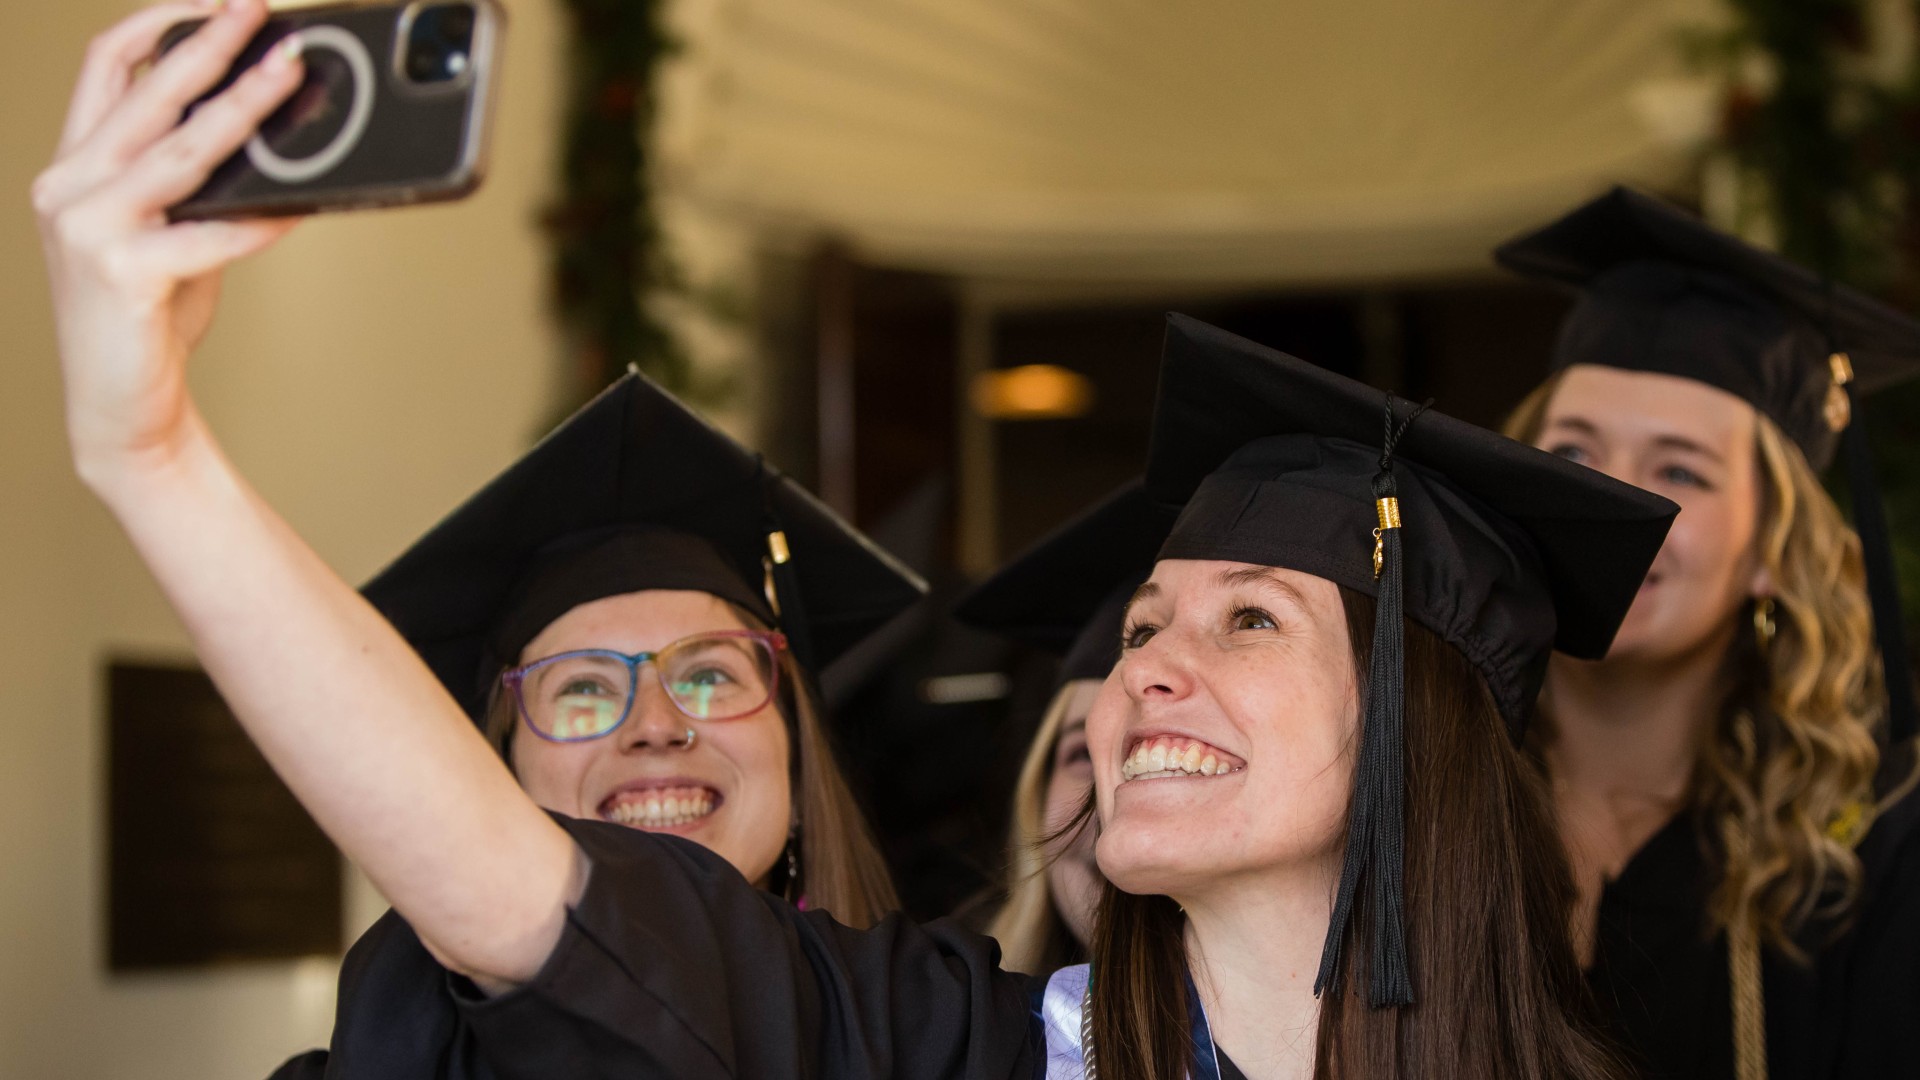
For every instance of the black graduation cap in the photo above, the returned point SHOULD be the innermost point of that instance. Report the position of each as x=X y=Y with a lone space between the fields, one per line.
x=1663 y=291
x=635 y=491
x=1504 y=551
x=1068 y=593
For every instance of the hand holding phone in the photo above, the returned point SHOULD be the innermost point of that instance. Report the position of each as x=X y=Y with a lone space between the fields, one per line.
x=393 y=109
x=132 y=294
x=135 y=286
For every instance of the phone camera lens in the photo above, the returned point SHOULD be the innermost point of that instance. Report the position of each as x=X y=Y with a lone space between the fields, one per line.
x=422 y=65
x=456 y=25
x=439 y=42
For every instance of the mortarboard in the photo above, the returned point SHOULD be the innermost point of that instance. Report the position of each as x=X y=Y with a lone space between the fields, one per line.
x=635 y=491
x=1663 y=291
x=1504 y=551
x=1068 y=592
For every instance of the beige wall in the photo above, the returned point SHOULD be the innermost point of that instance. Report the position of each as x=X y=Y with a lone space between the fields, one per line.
x=366 y=375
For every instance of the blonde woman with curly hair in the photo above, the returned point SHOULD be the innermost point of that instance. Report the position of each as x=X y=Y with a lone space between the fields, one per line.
x=1739 y=850
x=1066 y=595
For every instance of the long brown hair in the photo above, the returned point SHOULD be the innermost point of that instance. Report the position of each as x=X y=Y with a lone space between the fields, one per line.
x=1498 y=992
x=1783 y=783
x=841 y=869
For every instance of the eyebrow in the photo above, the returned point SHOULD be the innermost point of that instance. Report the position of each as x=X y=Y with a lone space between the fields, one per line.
x=1239 y=577
x=1664 y=442
x=1260 y=576
x=1678 y=442
x=1585 y=427
x=1147 y=591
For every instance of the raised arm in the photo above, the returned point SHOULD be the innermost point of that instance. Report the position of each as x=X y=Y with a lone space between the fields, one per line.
x=341 y=707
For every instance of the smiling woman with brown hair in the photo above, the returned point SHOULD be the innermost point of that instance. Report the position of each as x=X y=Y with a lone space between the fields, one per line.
x=1445 y=951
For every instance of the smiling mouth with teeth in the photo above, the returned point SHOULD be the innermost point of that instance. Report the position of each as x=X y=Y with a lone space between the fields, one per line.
x=1169 y=756
x=660 y=808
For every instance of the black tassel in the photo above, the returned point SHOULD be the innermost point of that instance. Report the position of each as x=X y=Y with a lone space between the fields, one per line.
x=1377 y=824
x=1883 y=585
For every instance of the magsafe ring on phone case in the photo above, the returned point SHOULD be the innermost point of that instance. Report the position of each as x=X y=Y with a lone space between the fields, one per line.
x=360 y=63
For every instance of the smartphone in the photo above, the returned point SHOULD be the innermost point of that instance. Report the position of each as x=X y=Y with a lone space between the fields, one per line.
x=394 y=109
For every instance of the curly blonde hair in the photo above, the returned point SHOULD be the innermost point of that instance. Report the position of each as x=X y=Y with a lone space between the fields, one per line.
x=1787 y=768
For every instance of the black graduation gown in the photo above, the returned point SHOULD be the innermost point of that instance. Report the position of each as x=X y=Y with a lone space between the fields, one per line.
x=672 y=965
x=1873 y=1025
x=1663 y=986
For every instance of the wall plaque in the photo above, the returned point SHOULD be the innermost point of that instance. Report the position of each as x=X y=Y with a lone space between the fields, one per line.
x=210 y=858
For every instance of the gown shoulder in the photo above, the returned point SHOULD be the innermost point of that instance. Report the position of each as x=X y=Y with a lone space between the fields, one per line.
x=1876 y=989
x=672 y=965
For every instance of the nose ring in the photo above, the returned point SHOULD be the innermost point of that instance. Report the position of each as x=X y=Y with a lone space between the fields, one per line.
x=692 y=737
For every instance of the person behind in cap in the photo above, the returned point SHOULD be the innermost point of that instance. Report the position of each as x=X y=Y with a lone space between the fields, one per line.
x=590 y=610
x=1715 y=774
x=1059 y=597
x=1052 y=881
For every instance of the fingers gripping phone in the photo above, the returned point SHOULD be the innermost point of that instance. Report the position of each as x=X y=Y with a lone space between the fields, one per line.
x=394 y=109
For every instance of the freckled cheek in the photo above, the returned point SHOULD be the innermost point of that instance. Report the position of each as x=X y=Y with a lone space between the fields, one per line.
x=1294 y=727
x=1104 y=724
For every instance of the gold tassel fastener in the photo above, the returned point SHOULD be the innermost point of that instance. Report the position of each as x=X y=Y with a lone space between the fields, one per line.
x=778 y=554
x=1389 y=511
x=1837 y=410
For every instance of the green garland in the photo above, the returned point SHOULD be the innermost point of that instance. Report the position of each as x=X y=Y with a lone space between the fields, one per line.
x=609 y=255
x=1808 y=134
x=1827 y=152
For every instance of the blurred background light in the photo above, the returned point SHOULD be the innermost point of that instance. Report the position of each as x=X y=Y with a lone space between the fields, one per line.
x=1032 y=392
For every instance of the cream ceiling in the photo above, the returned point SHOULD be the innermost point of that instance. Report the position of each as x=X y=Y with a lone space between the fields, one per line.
x=1123 y=140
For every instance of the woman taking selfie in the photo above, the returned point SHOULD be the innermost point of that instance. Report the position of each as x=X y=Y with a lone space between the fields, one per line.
x=1715 y=775
x=591 y=610
x=1066 y=595
x=602 y=609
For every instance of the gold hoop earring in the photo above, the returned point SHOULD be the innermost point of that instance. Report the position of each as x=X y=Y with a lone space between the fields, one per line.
x=1763 y=624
